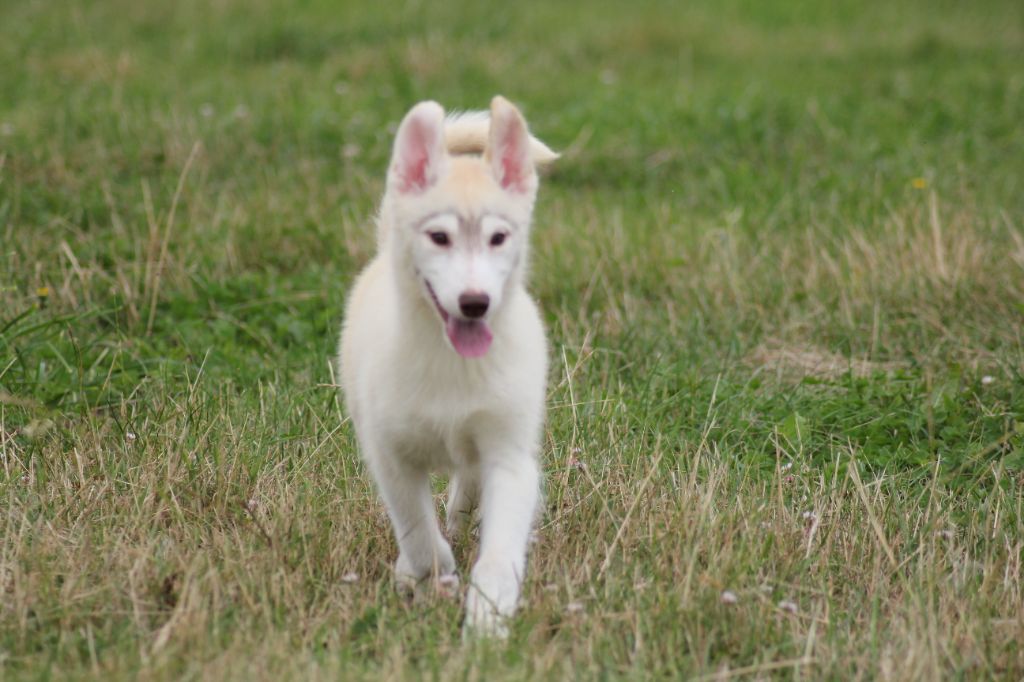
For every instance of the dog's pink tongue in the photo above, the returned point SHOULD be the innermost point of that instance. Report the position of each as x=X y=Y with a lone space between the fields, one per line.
x=471 y=338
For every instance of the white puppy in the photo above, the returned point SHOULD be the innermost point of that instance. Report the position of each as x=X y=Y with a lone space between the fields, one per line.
x=443 y=358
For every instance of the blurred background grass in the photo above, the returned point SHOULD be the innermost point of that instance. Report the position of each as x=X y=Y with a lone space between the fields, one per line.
x=718 y=154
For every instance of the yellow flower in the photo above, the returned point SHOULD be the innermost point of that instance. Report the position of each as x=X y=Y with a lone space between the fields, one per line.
x=918 y=183
x=43 y=292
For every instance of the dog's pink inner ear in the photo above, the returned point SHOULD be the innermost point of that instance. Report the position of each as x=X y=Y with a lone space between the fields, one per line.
x=510 y=148
x=419 y=148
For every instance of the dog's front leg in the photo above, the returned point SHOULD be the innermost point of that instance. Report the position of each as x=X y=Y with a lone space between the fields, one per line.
x=510 y=490
x=422 y=549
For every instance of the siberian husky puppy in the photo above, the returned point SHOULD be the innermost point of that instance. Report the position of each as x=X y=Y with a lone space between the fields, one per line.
x=443 y=357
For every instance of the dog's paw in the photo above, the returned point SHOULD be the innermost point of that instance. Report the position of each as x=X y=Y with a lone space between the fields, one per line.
x=447 y=586
x=407 y=576
x=405 y=585
x=483 y=620
x=419 y=583
x=491 y=600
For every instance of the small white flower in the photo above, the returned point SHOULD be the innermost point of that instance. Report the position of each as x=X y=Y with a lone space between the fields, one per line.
x=809 y=516
x=350 y=577
x=574 y=607
x=787 y=466
x=250 y=506
x=788 y=606
x=129 y=435
x=729 y=597
x=946 y=534
x=987 y=379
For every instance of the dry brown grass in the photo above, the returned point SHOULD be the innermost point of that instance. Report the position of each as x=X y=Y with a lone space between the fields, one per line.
x=832 y=574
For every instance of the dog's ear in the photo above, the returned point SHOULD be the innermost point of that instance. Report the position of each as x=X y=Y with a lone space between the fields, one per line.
x=420 y=158
x=508 y=148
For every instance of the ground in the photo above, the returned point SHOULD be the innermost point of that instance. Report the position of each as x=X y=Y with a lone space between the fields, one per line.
x=782 y=268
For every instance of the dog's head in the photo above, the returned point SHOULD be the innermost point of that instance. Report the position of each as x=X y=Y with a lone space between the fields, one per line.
x=460 y=224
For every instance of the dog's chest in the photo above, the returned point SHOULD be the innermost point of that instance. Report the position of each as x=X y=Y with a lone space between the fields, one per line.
x=435 y=439
x=438 y=417
x=446 y=403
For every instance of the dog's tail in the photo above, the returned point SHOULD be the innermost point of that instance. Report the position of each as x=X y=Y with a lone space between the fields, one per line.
x=467 y=132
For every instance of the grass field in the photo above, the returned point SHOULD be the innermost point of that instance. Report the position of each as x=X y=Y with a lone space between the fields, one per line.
x=782 y=269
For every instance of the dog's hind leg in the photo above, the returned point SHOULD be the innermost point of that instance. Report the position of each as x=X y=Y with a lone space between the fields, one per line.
x=422 y=549
x=463 y=494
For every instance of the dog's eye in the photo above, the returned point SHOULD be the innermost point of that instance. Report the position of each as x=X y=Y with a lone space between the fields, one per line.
x=439 y=238
x=498 y=238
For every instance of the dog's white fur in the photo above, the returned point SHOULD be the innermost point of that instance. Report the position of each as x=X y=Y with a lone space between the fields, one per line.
x=417 y=404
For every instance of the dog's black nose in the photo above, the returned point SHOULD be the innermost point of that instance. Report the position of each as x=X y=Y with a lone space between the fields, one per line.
x=474 y=305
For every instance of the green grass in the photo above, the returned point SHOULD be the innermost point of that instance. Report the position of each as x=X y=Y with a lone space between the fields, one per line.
x=782 y=268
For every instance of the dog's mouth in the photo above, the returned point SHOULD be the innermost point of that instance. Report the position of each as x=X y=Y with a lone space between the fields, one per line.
x=469 y=338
